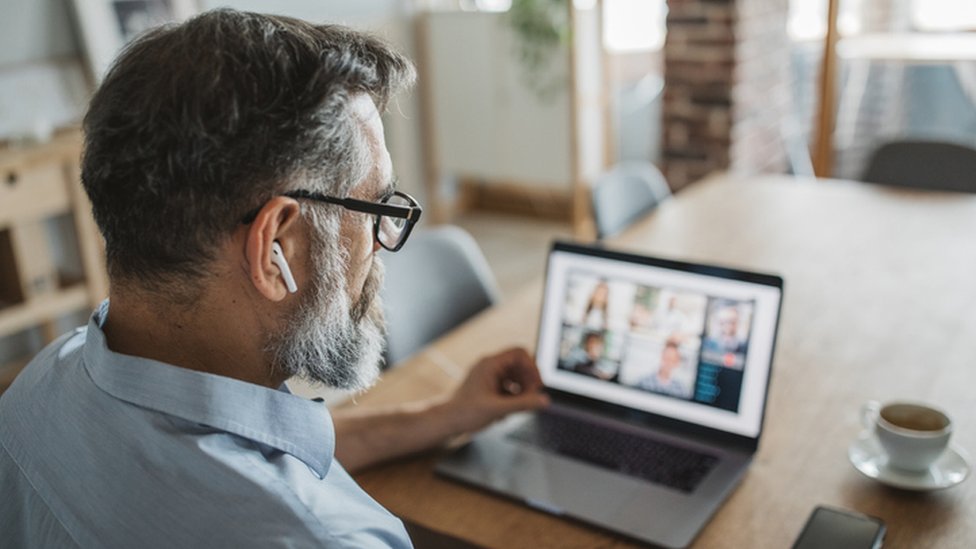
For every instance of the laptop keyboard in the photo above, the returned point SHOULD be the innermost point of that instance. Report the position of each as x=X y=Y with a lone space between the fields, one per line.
x=626 y=453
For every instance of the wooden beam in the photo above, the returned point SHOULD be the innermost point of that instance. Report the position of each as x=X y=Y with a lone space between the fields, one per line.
x=582 y=218
x=823 y=155
x=607 y=88
x=439 y=211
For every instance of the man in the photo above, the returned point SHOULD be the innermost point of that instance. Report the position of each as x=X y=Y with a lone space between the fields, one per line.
x=238 y=172
x=724 y=335
x=664 y=380
x=724 y=355
x=587 y=359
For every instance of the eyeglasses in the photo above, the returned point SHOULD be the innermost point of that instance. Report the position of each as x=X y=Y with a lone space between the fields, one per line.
x=395 y=215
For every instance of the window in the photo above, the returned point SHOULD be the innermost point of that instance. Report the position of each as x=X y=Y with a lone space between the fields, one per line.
x=944 y=15
x=634 y=25
x=808 y=19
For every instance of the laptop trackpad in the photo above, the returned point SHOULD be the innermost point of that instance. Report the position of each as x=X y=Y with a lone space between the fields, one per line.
x=545 y=482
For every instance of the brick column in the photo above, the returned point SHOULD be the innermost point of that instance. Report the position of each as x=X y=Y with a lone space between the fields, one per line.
x=726 y=89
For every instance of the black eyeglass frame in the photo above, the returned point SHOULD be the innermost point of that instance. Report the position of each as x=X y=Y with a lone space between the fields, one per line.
x=410 y=213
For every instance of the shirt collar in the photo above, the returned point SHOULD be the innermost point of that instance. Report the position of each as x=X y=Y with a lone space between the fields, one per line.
x=287 y=422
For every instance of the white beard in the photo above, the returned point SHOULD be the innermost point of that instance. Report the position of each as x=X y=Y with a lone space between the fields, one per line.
x=327 y=339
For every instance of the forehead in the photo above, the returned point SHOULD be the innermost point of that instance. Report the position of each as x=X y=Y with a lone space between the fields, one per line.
x=363 y=108
x=380 y=174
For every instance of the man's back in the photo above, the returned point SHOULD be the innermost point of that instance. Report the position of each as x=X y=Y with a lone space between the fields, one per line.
x=101 y=449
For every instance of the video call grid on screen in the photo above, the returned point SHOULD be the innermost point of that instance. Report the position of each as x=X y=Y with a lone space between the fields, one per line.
x=715 y=335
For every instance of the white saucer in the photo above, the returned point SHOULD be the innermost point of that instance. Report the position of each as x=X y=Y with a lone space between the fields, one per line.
x=868 y=458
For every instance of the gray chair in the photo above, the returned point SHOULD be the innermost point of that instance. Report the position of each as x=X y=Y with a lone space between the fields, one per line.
x=437 y=281
x=625 y=194
x=924 y=165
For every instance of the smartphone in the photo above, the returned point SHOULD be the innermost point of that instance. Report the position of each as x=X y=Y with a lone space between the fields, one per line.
x=831 y=528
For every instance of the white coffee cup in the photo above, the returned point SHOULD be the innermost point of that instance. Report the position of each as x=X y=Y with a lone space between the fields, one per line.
x=912 y=435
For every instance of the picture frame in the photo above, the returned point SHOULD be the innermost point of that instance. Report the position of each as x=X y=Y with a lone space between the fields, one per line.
x=106 y=26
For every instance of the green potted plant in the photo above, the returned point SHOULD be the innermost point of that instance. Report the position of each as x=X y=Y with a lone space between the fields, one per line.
x=542 y=30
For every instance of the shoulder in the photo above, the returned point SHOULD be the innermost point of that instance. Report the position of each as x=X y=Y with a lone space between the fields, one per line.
x=65 y=349
x=26 y=405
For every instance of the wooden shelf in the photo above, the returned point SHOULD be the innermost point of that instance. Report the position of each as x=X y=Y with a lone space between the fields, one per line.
x=15 y=318
x=38 y=185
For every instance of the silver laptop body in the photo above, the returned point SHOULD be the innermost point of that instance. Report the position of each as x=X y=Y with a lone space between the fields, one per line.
x=658 y=372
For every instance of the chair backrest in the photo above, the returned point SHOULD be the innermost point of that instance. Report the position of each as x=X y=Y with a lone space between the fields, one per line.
x=924 y=165
x=624 y=194
x=437 y=281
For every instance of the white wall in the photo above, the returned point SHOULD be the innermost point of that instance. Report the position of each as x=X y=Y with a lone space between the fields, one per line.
x=487 y=124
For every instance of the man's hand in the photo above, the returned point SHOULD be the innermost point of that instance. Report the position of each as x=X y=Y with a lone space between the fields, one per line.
x=495 y=387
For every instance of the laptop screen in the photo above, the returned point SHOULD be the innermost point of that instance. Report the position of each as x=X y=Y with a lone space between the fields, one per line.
x=688 y=342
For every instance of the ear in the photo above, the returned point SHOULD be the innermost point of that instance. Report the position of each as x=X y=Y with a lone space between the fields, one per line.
x=277 y=221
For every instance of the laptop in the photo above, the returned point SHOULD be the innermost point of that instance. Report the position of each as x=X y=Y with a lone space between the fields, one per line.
x=658 y=372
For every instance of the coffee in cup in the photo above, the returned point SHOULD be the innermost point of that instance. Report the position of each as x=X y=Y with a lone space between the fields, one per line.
x=912 y=435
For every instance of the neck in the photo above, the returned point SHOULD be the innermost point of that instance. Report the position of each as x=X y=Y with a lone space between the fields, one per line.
x=214 y=335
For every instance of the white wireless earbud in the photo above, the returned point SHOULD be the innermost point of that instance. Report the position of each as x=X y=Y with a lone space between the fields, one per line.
x=278 y=258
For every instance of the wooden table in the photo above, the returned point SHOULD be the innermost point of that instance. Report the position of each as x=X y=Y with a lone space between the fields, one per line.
x=880 y=303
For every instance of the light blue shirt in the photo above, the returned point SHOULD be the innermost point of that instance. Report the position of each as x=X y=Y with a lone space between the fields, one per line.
x=99 y=449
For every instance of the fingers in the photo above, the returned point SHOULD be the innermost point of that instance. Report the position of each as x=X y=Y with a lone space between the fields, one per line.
x=529 y=400
x=501 y=384
x=518 y=366
x=519 y=381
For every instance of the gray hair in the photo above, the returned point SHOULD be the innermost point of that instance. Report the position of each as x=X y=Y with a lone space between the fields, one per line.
x=197 y=124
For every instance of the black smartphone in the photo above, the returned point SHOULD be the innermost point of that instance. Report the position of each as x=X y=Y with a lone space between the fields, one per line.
x=831 y=528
